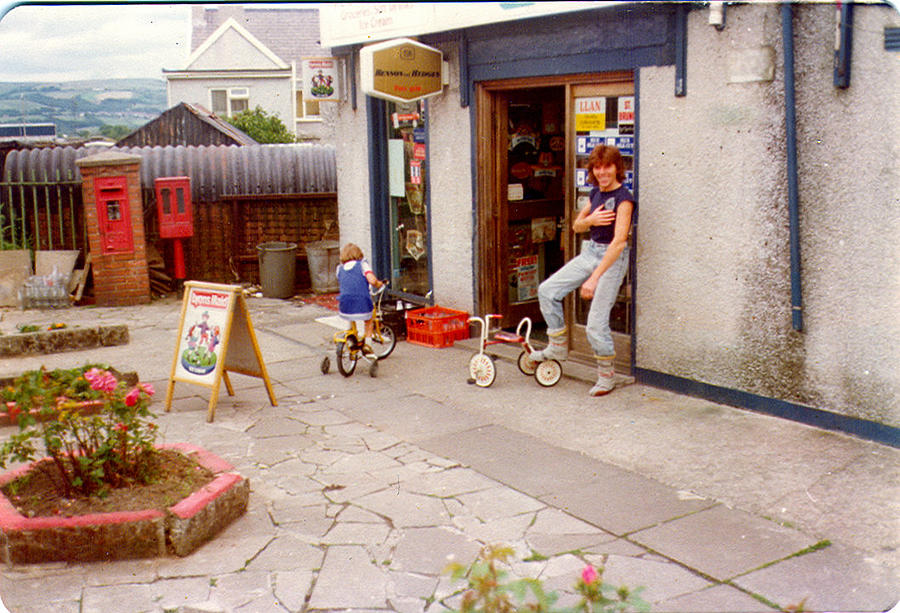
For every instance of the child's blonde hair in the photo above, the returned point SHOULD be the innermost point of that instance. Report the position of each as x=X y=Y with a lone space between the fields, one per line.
x=350 y=252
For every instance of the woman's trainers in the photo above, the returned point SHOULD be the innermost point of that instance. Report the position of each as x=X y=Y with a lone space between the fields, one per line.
x=606 y=377
x=557 y=349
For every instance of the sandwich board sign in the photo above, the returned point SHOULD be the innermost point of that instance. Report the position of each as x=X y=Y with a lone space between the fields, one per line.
x=215 y=337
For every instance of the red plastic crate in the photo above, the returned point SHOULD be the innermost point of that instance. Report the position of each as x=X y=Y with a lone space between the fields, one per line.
x=436 y=326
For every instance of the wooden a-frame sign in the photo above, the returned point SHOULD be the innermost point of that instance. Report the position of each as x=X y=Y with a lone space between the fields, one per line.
x=215 y=337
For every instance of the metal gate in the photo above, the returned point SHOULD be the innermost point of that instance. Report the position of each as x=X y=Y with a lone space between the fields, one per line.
x=40 y=201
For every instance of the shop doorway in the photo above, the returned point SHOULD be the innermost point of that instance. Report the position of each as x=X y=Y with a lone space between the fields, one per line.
x=534 y=136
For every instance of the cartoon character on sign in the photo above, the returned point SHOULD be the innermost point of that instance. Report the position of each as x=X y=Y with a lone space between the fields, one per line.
x=200 y=358
x=214 y=340
x=321 y=85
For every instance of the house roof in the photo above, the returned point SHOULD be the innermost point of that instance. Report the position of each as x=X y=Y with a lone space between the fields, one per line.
x=290 y=33
x=269 y=58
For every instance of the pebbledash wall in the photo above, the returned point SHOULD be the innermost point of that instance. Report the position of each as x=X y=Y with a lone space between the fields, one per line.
x=713 y=265
x=713 y=312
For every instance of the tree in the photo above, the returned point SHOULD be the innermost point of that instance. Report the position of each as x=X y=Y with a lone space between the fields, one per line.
x=115 y=132
x=262 y=127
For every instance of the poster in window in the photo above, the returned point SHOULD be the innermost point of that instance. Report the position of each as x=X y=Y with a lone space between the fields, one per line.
x=527 y=277
x=590 y=114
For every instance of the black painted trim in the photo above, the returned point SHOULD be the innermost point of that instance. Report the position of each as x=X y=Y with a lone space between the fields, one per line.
x=869 y=430
x=376 y=118
x=681 y=50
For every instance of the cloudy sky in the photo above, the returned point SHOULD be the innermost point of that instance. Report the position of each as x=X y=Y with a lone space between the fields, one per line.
x=73 y=42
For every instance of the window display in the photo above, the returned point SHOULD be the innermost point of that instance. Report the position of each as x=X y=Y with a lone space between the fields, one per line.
x=407 y=164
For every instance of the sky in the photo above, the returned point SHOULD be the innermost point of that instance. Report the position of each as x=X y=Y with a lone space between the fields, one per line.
x=75 y=42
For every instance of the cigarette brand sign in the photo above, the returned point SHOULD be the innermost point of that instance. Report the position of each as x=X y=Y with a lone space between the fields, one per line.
x=401 y=70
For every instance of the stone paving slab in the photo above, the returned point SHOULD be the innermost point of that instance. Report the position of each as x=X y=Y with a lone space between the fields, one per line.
x=836 y=578
x=723 y=543
x=411 y=417
x=601 y=493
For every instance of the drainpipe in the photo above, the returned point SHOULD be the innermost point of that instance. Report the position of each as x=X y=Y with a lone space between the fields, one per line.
x=790 y=128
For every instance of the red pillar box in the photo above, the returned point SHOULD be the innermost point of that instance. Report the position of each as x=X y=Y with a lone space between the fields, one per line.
x=114 y=215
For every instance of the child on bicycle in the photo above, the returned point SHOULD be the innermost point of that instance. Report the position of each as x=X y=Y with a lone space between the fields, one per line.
x=354 y=278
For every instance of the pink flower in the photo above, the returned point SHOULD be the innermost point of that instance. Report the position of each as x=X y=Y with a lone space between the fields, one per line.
x=589 y=574
x=148 y=389
x=101 y=380
x=132 y=397
x=93 y=375
x=121 y=427
x=109 y=383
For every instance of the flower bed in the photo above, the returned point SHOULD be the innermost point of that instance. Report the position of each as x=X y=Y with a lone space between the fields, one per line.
x=88 y=457
x=179 y=530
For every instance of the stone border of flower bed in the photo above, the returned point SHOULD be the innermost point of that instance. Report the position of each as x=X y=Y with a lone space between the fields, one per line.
x=63 y=339
x=133 y=534
x=10 y=416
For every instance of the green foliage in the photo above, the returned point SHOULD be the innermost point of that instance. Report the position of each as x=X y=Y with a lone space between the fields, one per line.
x=262 y=127
x=89 y=453
x=490 y=590
x=115 y=132
x=6 y=230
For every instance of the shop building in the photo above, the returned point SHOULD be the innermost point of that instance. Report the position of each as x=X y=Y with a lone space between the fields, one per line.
x=761 y=147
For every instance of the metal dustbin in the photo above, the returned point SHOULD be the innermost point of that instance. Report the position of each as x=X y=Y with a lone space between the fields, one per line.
x=323 y=258
x=277 y=267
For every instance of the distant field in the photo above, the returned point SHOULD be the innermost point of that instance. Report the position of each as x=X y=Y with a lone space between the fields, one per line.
x=76 y=106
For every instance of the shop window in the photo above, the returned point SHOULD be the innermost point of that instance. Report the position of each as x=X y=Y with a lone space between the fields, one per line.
x=229 y=102
x=407 y=164
x=306 y=109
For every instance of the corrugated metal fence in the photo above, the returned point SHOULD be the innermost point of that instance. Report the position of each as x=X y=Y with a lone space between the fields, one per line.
x=242 y=194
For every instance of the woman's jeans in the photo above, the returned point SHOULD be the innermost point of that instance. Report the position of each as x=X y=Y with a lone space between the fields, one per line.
x=570 y=277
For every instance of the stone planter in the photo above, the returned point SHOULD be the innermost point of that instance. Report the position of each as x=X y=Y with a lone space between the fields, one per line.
x=135 y=534
x=15 y=267
x=65 y=339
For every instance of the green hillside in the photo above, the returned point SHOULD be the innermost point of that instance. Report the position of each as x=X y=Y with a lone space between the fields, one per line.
x=77 y=107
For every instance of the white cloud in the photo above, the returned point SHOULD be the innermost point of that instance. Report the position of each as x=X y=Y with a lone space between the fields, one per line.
x=73 y=42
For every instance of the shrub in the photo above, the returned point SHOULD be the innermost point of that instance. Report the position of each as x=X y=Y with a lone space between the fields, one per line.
x=490 y=589
x=89 y=454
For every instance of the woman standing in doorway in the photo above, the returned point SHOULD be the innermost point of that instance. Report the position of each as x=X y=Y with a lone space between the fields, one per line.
x=598 y=270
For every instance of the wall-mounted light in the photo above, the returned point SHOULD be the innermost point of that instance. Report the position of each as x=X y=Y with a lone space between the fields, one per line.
x=717 y=15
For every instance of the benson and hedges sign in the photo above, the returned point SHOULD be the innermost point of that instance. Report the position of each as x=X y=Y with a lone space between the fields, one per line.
x=401 y=70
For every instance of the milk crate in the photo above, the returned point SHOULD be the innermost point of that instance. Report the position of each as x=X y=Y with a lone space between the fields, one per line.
x=436 y=326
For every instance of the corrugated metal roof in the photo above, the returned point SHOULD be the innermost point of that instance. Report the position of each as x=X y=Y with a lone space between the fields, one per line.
x=215 y=171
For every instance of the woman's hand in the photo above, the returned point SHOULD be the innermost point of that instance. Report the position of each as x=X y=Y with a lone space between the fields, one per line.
x=588 y=287
x=601 y=217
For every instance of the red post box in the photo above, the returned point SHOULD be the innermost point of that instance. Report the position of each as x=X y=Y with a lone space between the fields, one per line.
x=114 y=215
x=176 y=217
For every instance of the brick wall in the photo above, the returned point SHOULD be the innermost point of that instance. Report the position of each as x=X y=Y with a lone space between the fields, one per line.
x=226 y=233
x=120 y=279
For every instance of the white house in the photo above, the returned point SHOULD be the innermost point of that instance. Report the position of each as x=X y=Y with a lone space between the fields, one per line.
x=247 y=57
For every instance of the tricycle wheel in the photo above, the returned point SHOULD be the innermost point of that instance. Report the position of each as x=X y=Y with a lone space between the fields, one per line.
x=482 y=370
x=325 y=366
x=526 y=364
x=548 y=373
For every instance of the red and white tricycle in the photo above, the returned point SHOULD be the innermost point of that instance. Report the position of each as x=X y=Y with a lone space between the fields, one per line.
x=482 y=370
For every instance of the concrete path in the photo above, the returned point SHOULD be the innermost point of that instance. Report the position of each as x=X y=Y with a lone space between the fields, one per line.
x=364 y=489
